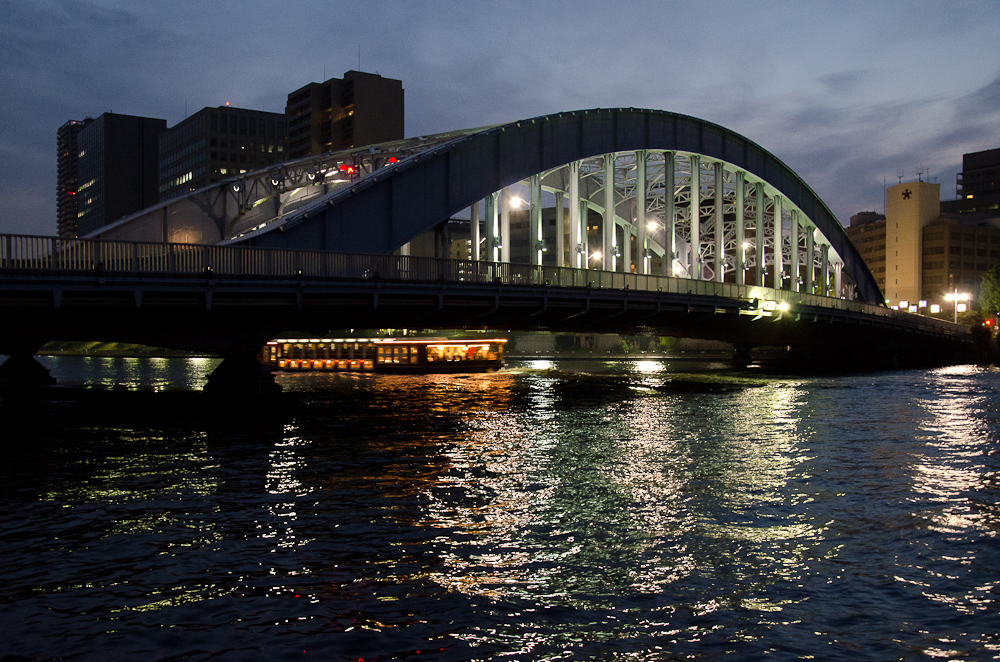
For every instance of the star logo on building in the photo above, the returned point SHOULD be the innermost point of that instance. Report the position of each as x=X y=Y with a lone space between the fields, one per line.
x=906 y=194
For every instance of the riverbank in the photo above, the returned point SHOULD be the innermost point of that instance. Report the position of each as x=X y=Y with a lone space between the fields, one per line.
x=115 y=349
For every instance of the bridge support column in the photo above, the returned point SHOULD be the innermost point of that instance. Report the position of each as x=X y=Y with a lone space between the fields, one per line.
x=560 y=230
x=759 y=234
x=505 y=224
x=779 y=265
x=536 y=240
x=694 y=261
x=793 y=237
x=825 y=270
x=810 y=259
x=241 y=376
x=492 y=229
x=626 y=247
x=577 y=221
x=838 y=283
x=741 y=357
x=642 y=250
x=669 y=215
x=610 y=247
x=720 y=230
x=741 y=230
x=474 y=232
x=22 y=371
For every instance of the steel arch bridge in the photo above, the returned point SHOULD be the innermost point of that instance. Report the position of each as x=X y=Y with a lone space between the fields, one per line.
x=629 y=190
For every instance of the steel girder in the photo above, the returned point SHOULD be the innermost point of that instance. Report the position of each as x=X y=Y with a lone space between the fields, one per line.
x=384 y=210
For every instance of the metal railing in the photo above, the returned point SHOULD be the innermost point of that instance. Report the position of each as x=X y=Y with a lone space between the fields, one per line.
x=39 y=253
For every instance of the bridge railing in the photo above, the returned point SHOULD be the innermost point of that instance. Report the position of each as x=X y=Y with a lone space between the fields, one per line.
x=27 y=252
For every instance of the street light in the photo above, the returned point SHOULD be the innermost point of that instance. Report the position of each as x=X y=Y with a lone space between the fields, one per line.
x=956 y=297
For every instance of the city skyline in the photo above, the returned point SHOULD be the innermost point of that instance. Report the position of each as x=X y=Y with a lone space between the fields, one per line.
x=847 y=95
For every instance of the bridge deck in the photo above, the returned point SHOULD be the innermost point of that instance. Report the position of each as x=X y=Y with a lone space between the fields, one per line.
x=218 y=297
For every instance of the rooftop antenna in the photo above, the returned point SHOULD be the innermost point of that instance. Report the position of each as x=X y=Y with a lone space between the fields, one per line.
x=899 y=176
x=920 y=174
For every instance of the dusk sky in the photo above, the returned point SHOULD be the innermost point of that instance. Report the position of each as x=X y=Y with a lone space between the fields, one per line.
x=848 y=94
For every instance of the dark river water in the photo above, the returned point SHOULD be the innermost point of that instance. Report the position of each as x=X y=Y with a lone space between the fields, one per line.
x=567 y=511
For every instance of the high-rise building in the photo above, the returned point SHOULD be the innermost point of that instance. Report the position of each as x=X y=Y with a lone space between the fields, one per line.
x=215 y=144
x=977 y=187
x=67 y=163
x=359 y=109
x=867 y=233
x=117 y=163
x=919 y=251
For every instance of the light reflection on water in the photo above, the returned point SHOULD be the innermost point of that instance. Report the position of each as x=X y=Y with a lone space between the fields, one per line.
x=132 y=373
x=568 y=510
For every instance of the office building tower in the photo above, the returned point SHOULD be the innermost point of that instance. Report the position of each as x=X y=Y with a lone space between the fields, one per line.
x=359 y=109
x=919 y=251
x=216 y=144
x=977 y=187
x=67 y=176
x=117 y=168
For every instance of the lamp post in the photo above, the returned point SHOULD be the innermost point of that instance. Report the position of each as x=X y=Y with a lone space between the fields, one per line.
x=956 y=297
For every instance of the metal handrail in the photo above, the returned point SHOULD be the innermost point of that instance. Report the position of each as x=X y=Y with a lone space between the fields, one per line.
x=33 y=252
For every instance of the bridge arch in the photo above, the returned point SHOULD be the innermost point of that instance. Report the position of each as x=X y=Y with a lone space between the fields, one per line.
x=585 y=158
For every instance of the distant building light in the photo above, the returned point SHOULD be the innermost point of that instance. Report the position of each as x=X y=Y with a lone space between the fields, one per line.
x=935 y=308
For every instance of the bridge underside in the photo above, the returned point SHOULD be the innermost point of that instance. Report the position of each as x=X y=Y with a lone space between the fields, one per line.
x=237 y=320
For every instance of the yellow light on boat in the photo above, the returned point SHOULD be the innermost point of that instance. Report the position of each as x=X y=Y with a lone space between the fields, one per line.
x=783 y=306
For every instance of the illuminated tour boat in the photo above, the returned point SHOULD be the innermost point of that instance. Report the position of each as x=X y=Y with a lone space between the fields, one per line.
x=399 y=355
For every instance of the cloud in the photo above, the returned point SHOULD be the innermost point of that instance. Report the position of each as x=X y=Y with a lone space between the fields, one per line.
x=784 y=77
x=984 y=101
x=844 y=82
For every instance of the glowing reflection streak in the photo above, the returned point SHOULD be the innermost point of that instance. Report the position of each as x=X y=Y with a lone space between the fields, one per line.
x=285 y=460
x=957 y=438
x=527 y=503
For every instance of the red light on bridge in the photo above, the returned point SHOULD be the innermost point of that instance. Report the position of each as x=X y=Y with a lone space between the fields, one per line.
x=393 y=159
x=346 y=168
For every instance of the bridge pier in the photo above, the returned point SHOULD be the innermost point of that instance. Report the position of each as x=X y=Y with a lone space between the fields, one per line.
x=741 y=357
x=241 y=376
x=21 y=370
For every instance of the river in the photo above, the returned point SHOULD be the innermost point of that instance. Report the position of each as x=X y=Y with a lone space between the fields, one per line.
x=550 y=511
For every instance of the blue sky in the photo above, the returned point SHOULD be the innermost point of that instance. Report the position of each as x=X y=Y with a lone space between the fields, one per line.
x=848 y=94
